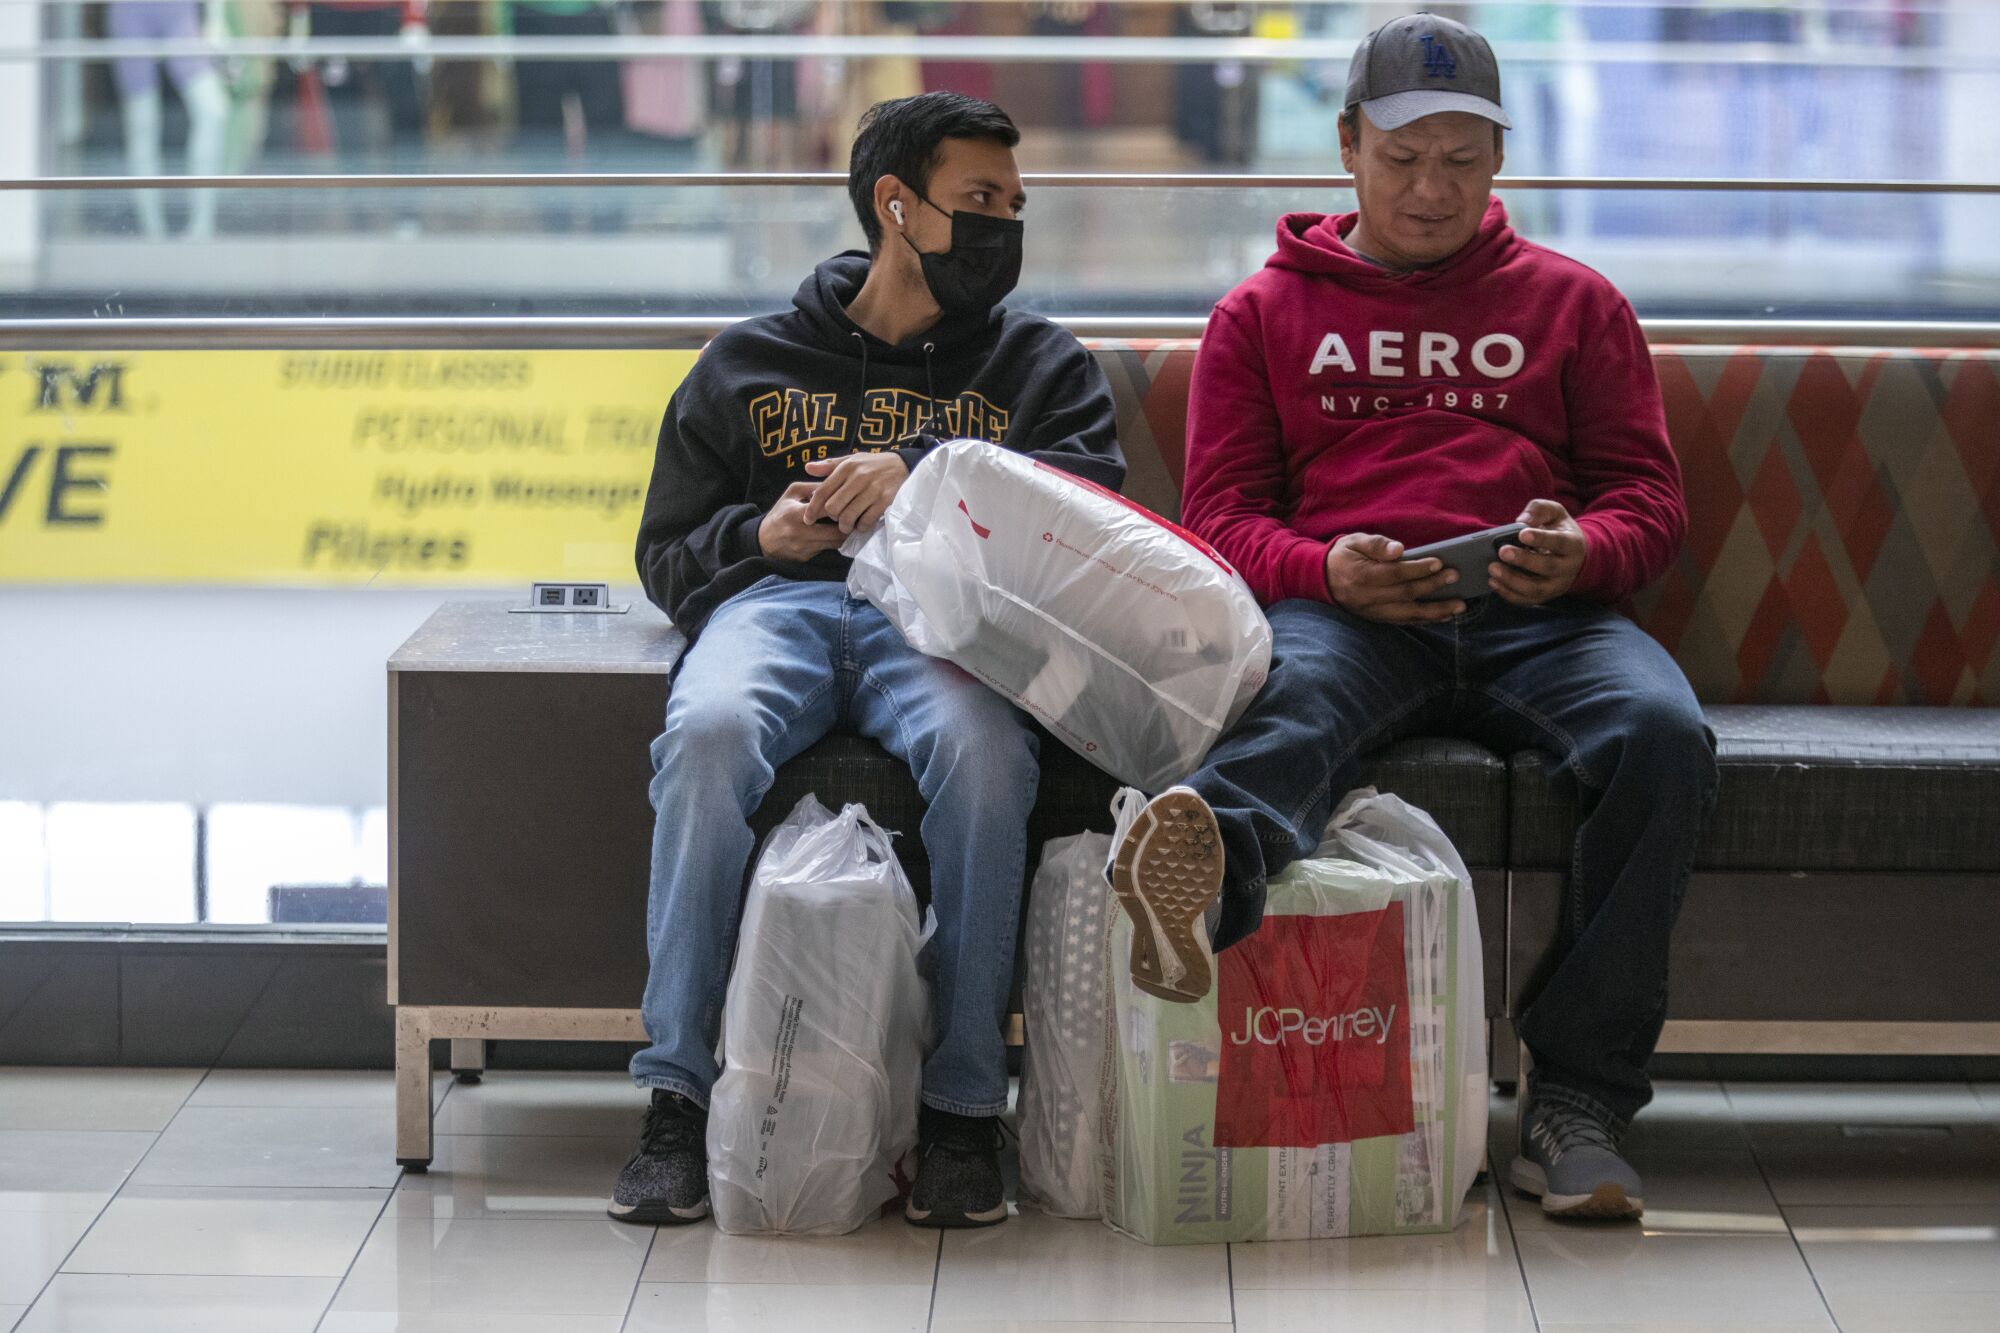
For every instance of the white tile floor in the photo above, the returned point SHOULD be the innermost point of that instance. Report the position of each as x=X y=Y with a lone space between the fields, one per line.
x=162 y=1200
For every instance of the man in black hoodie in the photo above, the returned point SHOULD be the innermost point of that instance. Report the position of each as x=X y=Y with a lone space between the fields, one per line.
x=792 y=431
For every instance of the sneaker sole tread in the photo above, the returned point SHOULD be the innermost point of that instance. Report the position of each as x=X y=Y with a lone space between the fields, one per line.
x=922 y=1217
x=1168 y=871
x=657 y=1214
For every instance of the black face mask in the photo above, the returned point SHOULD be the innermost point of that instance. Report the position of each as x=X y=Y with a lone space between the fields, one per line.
x=981 y=267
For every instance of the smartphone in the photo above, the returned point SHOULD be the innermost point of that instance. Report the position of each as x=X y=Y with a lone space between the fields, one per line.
x=1469 y=555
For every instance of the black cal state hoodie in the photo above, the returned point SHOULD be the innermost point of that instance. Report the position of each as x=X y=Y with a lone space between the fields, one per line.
x=773 y=392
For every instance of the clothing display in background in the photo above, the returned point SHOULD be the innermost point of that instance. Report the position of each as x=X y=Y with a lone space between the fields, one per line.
x=249 y=78
x=1081 y=93
x=361 y=93
x=663 y=96
x=1215 y=106
x=1333 y=1083
x=860 y=84
x=549 y=92
x=757 y=101
x=974 y=78
x=469 y=101
x=199 y=84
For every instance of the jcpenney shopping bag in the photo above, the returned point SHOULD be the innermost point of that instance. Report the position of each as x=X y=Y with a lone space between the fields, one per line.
x=1334 y=1081
x=1128 y=637
x=823 y=1033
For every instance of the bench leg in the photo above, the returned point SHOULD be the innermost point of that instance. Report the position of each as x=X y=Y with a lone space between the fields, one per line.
x=413 y=1088
x=468 y=1058
x=1503 y=1052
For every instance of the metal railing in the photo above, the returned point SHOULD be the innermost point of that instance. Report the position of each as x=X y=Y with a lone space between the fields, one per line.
x=994 y=50
x=1058 y=180
x=677 y=331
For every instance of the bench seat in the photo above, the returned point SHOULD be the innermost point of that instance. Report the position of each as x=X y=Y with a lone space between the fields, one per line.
x=1815 y=788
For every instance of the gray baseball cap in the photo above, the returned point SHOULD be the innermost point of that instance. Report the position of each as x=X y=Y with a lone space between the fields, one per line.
x=1419 y=65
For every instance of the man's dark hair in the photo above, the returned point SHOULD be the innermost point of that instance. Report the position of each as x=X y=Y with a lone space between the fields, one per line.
x=902 y=138
x=1352 y=119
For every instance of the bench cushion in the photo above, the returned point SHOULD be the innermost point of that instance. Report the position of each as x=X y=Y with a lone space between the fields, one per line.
x=1462 y=785
x=1817 y=789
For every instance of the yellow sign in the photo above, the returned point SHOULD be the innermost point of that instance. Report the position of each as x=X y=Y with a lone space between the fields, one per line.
x=327 y=468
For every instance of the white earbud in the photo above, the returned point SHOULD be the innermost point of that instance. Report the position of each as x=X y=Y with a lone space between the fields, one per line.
x=896 y=208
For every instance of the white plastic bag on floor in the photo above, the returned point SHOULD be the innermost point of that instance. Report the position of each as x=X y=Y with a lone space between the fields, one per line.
x=1069 y=932
x=1333 y=1083
x=823 y=1033
x=1129 y=638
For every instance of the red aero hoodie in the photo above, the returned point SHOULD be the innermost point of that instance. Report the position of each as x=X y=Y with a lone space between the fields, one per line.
x=1331 y=396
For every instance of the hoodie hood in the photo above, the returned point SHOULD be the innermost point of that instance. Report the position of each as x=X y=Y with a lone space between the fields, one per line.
x=1316 y=243
x=823 y=299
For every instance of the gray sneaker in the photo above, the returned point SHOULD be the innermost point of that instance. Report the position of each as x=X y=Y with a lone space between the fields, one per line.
x=1569 y=1160
x=666 y=1181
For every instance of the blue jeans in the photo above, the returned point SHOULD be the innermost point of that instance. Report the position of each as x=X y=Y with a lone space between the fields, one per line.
x=777 y=667
x=1574 y=679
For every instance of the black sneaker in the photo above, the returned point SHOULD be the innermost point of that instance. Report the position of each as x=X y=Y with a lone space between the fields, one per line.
x=958 y=1172
x=666 y=1182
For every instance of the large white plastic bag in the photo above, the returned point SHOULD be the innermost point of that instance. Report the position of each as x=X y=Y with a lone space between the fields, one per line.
x=1127 y=637
x=1069 y=934
x=823 y=1033
x=1279 y=1108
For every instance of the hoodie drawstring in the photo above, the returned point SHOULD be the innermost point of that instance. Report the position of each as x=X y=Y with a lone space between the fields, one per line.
x=861 y=397
x=930 y=390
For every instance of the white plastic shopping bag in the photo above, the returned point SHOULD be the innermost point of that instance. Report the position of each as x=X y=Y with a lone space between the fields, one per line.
x=1128 y=637
x=1333 y=1083
x=1069 y=935
x=823 y=1033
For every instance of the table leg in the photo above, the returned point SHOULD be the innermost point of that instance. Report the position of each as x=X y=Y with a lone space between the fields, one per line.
x=413 y=1088
x=468 y=1058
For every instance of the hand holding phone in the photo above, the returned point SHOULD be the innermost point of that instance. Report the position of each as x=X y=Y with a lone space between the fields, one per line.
x=1547 y=562
x=1367 y=575
x=1470 y=555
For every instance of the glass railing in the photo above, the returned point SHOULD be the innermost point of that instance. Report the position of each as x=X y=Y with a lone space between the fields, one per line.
x=1098 y=246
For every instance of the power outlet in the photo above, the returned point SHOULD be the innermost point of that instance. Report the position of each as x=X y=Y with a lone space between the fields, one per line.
x=584 y=597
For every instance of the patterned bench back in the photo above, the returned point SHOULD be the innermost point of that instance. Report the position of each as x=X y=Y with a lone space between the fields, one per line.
x=1844 y=538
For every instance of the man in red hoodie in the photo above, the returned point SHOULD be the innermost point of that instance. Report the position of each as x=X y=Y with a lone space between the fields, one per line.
x=1401 y=375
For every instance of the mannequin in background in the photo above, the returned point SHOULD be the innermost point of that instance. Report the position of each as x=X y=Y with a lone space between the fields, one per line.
x=757 y=101
x=355 y=87
x=544 y=88
x=199 y=84
x=248 y=78
x=1215 y=106
x=560 y=105
x=666 y=99
x=350 y=84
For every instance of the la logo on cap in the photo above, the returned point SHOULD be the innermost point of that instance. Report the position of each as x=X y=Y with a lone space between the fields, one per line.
x=1438 y=61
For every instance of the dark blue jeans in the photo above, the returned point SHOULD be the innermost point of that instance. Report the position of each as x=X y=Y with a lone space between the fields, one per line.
x=1574 y=679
